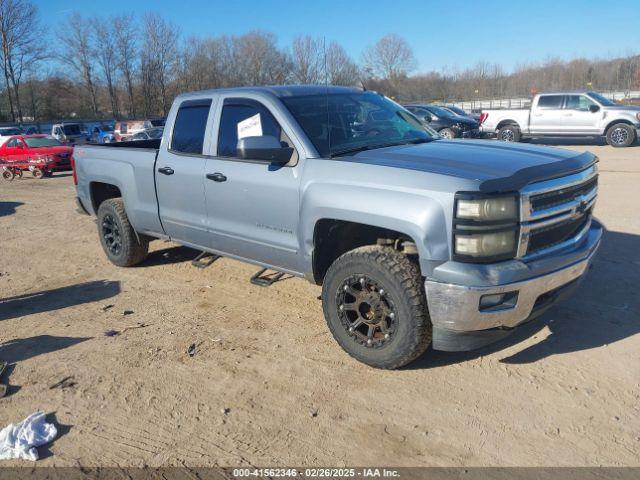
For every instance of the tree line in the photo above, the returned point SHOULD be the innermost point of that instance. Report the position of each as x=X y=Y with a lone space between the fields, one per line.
x=123 y=66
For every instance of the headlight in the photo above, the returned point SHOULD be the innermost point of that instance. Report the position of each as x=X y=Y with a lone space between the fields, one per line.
x=485 y=227
x=495 y=244
x=487 y=209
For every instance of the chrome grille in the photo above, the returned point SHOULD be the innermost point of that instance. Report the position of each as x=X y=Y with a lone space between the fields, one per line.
x=556 y=213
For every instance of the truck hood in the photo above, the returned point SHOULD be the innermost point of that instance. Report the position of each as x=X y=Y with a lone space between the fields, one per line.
x=628 y=108
x=499 y=167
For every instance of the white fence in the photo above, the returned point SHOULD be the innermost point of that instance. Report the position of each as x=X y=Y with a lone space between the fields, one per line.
x=525 y=102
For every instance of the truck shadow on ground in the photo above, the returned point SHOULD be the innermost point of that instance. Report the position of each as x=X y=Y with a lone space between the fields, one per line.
x=57 y=298
x=21 y=349
x=170 y=255
x=8 y=208
x=604 y=310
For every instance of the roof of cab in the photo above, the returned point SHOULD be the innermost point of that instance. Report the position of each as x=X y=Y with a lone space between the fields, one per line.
x=281 y=90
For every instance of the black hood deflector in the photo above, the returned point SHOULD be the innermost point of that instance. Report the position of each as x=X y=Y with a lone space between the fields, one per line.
x=539 y=173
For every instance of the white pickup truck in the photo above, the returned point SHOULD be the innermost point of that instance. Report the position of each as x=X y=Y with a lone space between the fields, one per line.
x=571 y=114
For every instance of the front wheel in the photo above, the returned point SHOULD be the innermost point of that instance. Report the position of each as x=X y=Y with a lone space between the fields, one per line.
x=375 y=306
x=119 y=240
x=509 y=133
x=621 y=135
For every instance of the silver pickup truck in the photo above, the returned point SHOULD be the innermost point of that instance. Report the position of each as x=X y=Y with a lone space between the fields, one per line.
x=416 y=240
x=572 y=114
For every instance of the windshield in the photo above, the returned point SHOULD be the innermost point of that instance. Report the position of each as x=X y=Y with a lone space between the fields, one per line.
x=457 y=110
x=38 y=142
x=341 y=123
x=154 y=133
x=71 y=129
x=441 y=112
x=605 y=102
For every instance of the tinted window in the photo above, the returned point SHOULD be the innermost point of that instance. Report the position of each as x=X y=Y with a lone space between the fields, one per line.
x=236 y=112
x=550 y=101
x=71 y=129
x=189 y=127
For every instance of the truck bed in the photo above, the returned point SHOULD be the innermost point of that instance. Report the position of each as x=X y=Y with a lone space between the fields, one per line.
x=145 y=144
x=130 y=166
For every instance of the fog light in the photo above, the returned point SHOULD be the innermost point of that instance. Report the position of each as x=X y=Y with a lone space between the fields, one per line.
x=498 y=301
x=487 y=301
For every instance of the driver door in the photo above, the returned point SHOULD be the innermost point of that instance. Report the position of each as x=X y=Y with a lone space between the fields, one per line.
x=16 y=150
x=578 y=117
x=252 y=206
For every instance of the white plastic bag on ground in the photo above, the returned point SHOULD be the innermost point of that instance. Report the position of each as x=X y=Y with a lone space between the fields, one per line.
x=21 y=440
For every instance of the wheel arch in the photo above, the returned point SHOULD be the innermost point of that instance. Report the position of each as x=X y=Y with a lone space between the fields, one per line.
x=333 y=237
x=507 y=122
x=615 y=122
x=101 y=191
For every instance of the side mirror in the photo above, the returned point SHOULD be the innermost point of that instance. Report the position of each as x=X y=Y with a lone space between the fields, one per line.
x=265 y=148
x=428 y=118
x=594 y=108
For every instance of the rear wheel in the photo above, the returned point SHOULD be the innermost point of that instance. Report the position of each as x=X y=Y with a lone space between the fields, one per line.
x=375 y=306
x=509 y=133
x=7 y=175
x=621 y=135
x=119 y=240
x=447 y=133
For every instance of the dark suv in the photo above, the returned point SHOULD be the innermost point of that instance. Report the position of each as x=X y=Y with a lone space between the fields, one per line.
x=447 y=124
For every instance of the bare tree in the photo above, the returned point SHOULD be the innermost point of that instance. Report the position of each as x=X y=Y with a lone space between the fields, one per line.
x=258 y=59
x=105 y=48
x=126 y=37
x=159 y=57
x=78 y=54
x=307 y=57
x=22 y=46
x=340 y=68
x=390 y=58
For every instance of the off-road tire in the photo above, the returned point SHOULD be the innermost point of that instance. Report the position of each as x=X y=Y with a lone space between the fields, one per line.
x=447 y=133
x=134 y=247
x=509 y=133
x=621 y=135
x=402 y=282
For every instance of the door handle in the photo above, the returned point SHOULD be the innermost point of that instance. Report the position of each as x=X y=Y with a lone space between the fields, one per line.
x=217 y=177
x=166 y=170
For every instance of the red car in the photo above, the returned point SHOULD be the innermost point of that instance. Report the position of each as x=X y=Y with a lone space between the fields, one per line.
x=25 y=147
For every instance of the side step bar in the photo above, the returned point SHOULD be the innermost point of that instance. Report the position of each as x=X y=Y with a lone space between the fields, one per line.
x=204 y=260
x=263 y=279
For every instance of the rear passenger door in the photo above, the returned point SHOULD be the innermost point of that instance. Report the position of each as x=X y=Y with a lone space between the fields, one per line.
x=252 y=205
x=180 y=175
x=547 y=116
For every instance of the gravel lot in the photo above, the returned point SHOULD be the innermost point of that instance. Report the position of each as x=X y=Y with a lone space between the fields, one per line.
x=269 y=386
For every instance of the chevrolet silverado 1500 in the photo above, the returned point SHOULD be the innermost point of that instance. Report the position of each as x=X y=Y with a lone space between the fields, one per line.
x=416 y=240
x=573 y=114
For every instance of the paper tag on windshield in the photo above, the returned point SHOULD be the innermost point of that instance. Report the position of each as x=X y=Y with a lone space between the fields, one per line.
x=250 y=127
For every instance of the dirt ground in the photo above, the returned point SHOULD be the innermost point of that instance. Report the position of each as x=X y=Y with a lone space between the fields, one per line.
x=269 y=386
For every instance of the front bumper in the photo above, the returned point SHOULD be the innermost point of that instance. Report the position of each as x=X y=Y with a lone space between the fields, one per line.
x=456 y=313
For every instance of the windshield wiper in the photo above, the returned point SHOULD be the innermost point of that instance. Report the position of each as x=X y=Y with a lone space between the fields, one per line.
x=375 y=146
